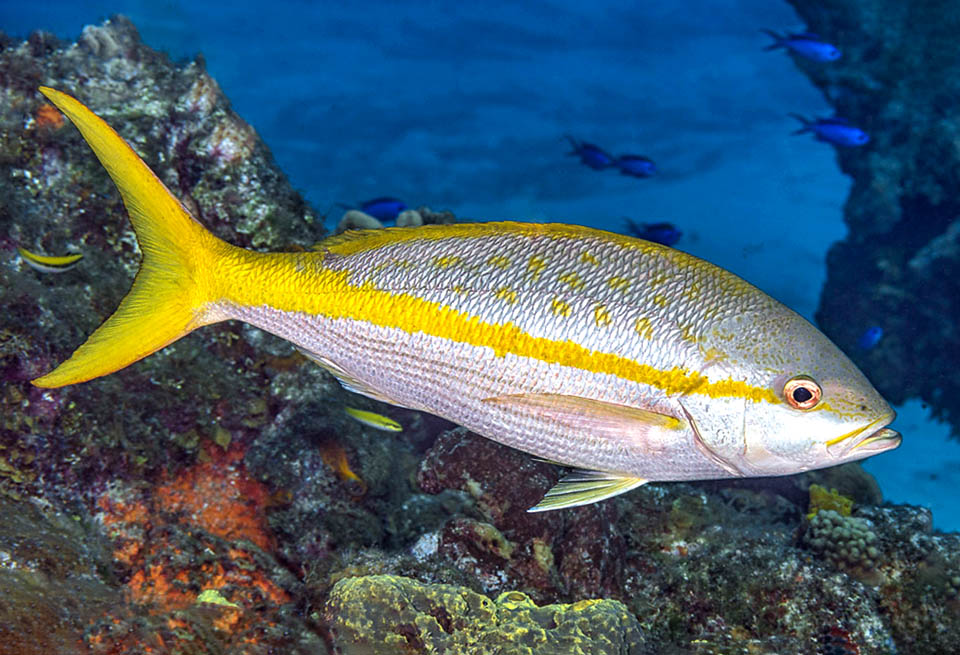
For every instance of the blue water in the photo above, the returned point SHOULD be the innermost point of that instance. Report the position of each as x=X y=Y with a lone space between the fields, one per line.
x=464 y=106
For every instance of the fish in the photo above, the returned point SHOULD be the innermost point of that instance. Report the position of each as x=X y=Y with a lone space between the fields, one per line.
x=590 y=155
x=620 y=358
x=805 y=44
x=870 y=337
x=384 y=209
x=636 y=166
x=373 y=420
x=49 y=263
x=666 y=234
x=836 y=130
x=334 y=456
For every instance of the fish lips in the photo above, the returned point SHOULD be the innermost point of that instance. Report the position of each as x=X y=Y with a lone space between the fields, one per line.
x=864 y=442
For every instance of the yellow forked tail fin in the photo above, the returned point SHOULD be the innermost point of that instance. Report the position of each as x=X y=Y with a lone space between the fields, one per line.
x=175 y=278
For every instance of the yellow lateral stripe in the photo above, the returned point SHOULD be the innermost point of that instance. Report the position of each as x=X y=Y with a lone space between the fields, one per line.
x=846 y=436
x=299 y=282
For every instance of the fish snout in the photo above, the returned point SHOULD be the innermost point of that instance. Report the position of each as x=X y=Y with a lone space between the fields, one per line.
x=877 y=442
x=864 y=442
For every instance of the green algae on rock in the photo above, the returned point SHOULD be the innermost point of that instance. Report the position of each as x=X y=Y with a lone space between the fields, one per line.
x=386 y=614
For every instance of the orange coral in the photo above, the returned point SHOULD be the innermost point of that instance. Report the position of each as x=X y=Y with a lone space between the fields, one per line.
x=189 y=533
x=219 y=496
x=216 y=495
x=48 y=116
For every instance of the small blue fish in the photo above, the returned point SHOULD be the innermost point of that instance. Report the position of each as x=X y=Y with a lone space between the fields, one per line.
x=590 y=155
x=663 y=233
x=835 y=130
x=383 y=209
x=807 y=45
x=636 y=166
x=870 y=337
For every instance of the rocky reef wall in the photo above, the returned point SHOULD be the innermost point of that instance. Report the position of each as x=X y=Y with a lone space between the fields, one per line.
x=899 y=265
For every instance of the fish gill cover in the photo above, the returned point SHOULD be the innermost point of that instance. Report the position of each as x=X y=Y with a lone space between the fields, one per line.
x=144 y=504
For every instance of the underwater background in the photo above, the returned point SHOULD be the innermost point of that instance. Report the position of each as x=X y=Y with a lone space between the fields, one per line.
x=468 y=108
x=465 y=108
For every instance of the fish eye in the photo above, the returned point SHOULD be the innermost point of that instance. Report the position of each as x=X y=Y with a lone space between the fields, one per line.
x=802 y=392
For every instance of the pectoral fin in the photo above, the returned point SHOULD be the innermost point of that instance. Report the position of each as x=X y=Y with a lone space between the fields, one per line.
x=602 y=420
x=347 y=381
x=585 y=487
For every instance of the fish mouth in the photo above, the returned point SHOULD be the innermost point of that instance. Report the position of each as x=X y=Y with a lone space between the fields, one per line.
x=868 y=440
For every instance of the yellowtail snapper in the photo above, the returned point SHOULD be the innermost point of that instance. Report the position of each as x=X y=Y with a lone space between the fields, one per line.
x=624 y=359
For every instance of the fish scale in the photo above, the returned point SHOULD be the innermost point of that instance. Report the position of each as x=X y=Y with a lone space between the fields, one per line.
x=626 y=359
x=356 y=345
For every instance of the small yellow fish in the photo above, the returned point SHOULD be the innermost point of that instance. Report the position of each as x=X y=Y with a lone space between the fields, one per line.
x=373 y=420
x=49 y=264
x=334 y=456
x=625 y=359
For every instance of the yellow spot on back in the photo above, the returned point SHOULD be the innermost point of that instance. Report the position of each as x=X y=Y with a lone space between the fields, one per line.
x=713 y=355
x=642 y=327
x=587 y=258
x=507 y=294
x=661 y=300
x=692 y=292
x=572 y=279
x=601 y=316
x=618 y=283
x=500 y=261
x=560 y=307
x=657 y=279
x=447 y=261
x=535 y=267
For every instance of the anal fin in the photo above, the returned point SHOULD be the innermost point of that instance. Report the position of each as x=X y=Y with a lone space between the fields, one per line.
x=586 y=487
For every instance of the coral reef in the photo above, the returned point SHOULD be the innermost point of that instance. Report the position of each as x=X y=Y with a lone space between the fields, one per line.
x=383 y=615
x=845 y=542
x=899 y=265
x=215 y=498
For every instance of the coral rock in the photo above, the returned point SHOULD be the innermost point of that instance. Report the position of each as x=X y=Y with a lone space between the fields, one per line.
x=386 y=615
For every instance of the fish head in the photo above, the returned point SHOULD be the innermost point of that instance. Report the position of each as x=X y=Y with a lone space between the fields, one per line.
x=784 y=398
